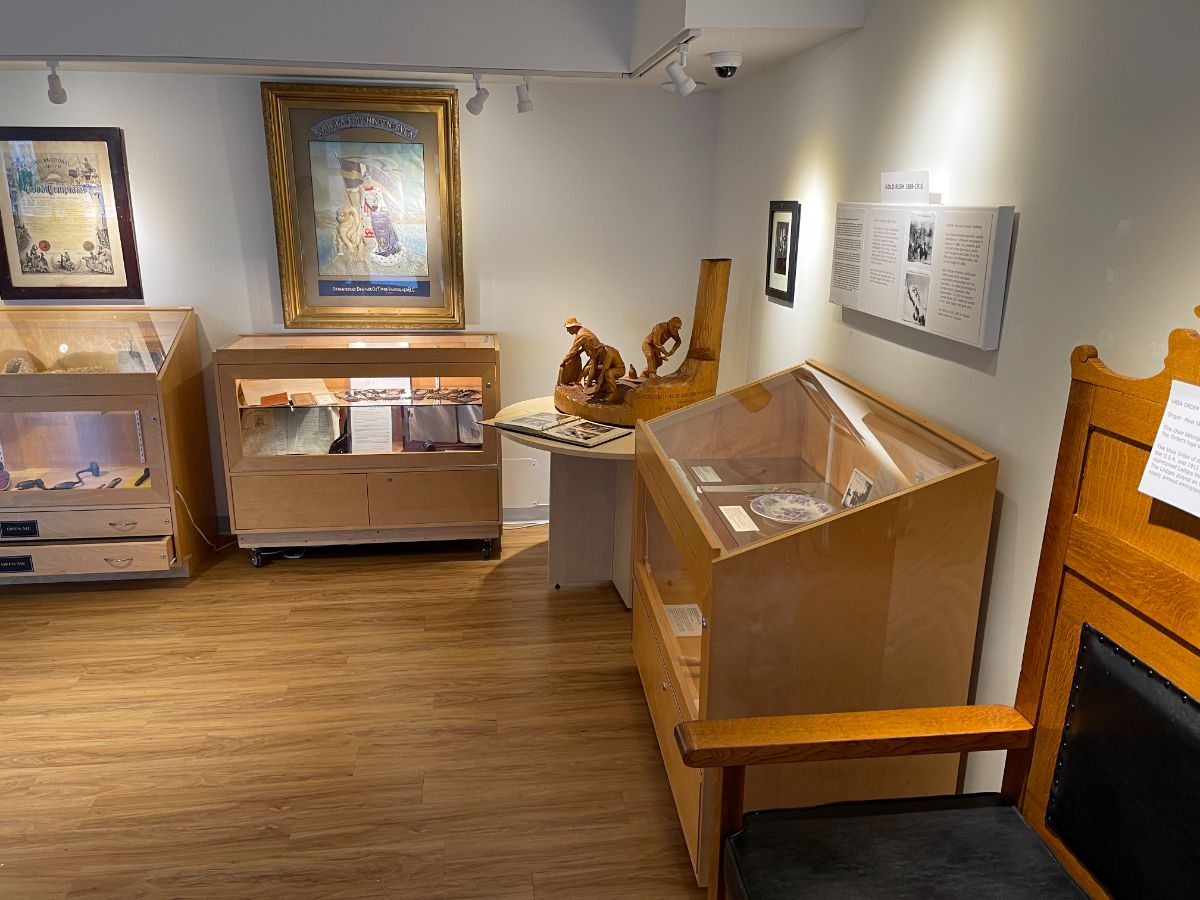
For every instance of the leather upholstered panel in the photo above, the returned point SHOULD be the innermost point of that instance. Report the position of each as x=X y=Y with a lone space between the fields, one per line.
x=975 y=846
x=1126 y=793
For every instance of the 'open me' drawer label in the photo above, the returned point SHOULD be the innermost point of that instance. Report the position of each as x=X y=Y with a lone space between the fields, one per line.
x=12 y=564
x=23 y=529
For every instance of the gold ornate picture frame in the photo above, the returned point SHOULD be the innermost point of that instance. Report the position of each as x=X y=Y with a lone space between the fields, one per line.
x=368 y=216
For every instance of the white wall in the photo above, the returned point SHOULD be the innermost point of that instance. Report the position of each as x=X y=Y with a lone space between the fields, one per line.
x=776 y=13
x=595 y=205
x=1082 y=113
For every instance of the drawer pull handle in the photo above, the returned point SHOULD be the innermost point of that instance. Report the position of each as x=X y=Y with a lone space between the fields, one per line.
x=664 y=685
x=119 y=562
x=123 y=526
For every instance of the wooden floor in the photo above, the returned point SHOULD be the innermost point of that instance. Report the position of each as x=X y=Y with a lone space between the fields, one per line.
x=354 y=724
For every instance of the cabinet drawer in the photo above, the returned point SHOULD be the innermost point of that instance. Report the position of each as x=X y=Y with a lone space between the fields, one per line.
x=87 y=557
x=289 y=502
x=666 y=711
x=71 y=524
x=434 y=498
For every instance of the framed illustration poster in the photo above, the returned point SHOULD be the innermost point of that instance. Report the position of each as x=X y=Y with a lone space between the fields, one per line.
x=66 y=226
x=365 y=187
x=783 y=231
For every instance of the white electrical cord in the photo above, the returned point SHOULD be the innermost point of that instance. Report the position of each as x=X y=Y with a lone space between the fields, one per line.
x=204 y=536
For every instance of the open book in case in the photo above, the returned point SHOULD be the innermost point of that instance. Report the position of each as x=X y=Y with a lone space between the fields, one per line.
x=802 y=544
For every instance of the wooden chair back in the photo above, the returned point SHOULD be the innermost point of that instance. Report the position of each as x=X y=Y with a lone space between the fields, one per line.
x=1111 y=670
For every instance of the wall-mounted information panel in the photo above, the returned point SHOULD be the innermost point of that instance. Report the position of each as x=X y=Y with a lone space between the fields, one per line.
x=941 y=269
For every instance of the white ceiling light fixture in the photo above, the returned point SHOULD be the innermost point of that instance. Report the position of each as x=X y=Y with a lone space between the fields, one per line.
x=524 y=104
x=475 y=104
x=55 y=91
x=681 y=81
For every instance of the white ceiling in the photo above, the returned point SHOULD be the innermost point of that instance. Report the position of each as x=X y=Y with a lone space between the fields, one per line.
x=760 y=48
x=436 y=40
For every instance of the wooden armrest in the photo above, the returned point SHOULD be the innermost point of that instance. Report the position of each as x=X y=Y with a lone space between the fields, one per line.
x=711 y=743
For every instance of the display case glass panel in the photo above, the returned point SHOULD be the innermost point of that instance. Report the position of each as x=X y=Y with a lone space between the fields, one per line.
x=62 y=454
x=86 y=342
x=792 y=449
x=361 y=341
x=356 y=415
x=680 y=597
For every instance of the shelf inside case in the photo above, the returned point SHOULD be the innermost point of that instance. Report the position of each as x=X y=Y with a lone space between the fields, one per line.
x=319 y=416
x=109 y=478
x=72 y=451
x=356 y=393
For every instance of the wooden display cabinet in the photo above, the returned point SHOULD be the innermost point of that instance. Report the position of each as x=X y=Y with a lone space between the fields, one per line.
x=104 y=444
x=346 y=439
x=803 y=545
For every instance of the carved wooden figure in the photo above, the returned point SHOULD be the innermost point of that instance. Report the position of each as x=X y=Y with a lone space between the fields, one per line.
x=604 y=367
x=654 y=347
x=570 y=370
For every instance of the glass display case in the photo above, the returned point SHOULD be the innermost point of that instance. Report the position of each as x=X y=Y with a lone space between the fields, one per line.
x=70 y=341
x=345 y=414
x=347 y=409
x=802 y=544
x=793 y=449
x=102 y=430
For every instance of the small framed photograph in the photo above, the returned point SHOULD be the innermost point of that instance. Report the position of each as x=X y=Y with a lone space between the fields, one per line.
x=783 y=232
x=858 y=490
x=66 y=225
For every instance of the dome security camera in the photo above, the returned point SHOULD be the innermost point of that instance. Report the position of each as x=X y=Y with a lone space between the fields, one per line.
x=725 y=62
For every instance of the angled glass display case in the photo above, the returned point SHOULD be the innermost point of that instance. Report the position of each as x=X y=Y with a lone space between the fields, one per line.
x=102 y=431
x=803 y=544
x=88 y=341
x=380 y=436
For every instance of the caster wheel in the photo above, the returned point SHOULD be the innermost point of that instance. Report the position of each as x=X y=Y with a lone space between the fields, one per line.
x=257 y=559
x=487 y=549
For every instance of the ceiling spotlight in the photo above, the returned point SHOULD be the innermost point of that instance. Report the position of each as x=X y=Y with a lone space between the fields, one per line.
x=475 y=104
x=524 y=104
x=57 y=95
x=683 y=82
x=668 y=86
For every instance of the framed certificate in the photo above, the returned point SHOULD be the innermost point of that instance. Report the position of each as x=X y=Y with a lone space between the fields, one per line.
x=66 y=226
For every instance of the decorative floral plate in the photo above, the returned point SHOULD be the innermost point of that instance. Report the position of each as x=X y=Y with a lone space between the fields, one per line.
x=790 y=508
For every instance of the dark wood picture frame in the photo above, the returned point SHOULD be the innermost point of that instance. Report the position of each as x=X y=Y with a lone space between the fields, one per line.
x=781 y=249
x=114 y=139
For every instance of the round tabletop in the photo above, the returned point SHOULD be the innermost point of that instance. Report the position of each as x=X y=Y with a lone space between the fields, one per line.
x=621 y=448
